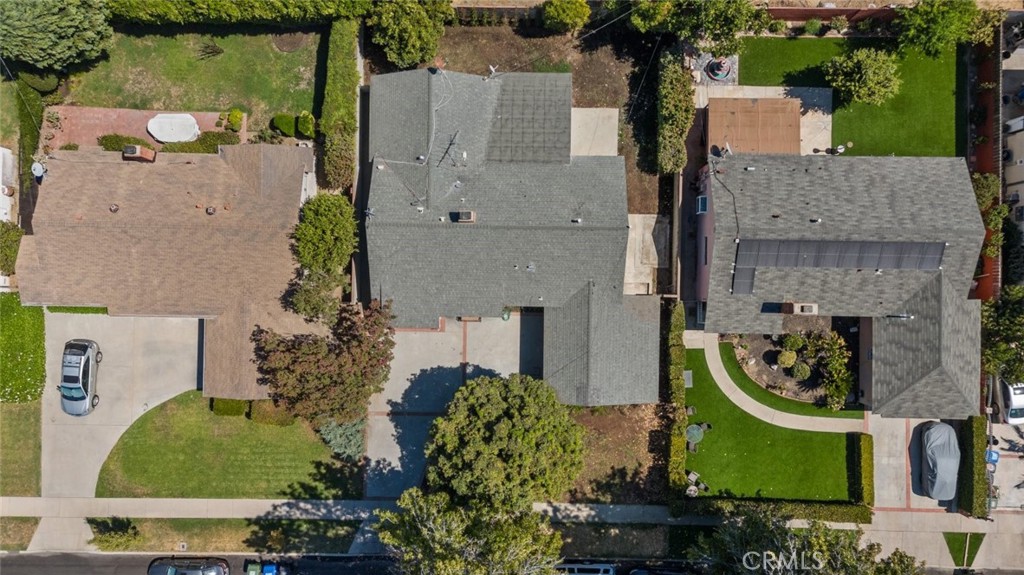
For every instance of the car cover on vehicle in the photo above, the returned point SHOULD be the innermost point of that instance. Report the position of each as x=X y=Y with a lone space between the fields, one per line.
x=942 y=461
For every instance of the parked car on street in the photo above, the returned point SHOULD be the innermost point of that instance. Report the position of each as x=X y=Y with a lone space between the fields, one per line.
x=188 y=566
x=79 y=368
x=1013 y=402
x=940 y=460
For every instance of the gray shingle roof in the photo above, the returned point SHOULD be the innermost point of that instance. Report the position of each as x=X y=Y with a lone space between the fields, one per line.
x=599 y=335
x=858 y=199
x=546 y=224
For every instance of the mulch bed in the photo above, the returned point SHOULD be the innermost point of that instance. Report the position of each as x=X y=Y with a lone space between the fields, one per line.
x=290 y=42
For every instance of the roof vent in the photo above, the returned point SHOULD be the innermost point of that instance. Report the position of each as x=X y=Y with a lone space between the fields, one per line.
x=211 y=210
x=114 y=208
x=815 y=220
x=577 y=220
x=466 y=217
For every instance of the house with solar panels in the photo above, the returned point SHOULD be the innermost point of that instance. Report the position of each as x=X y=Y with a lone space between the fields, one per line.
x=891 y=240
x=478 y=203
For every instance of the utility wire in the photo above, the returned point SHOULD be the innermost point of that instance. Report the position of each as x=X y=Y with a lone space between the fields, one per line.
x=654 y=53
x=20 y=95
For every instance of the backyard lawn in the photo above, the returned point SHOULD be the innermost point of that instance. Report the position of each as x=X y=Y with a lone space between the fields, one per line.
x=237 y=535
x=148 y=69
x=774 y=400
x=181 y=449
x=742 y=456
x=920 y=121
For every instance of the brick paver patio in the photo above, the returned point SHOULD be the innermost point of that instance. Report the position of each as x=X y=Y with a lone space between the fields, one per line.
x=82 y=125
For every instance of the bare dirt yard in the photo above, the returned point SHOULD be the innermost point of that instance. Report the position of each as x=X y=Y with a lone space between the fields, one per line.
x=626 y=448
x=608 y=70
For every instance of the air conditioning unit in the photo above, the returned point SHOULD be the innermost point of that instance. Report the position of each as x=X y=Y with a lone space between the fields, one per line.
x=800 y=308
x=138 y=154
x=467 y=217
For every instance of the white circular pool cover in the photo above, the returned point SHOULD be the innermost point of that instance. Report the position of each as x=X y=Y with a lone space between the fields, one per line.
x=173 y=127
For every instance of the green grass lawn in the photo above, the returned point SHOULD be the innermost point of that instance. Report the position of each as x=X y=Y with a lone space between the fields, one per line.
x=956 y=542
x=237 y=535
x=8 y=115
x=74 y=309
x=22 y=350
x=149 y=69
x=774 y=400
x=16 y=532
x=742 y=456
x=181 y=449
x=920 y=121
x=20 y=448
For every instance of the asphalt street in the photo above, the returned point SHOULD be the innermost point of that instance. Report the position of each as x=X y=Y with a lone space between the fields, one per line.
x=128 y=564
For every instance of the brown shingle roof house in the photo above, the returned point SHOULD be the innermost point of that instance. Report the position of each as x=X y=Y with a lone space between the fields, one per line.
x=136 y=238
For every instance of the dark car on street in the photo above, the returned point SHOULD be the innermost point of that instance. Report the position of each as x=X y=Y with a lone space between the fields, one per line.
x=188 y=566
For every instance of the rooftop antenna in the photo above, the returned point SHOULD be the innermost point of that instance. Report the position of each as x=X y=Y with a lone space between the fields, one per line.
x=900 y=316
x=494 y=70
x=448 y=150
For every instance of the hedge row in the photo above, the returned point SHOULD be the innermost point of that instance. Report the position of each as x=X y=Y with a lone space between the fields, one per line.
x=972 y=484
x=338 y=121
x=117 y=142
x=206 y=143
x=30 y=111
x=279 y=12
x=677 y=385
x=838 y=512
x=861 y=457
x=676 y=109
x=229 y=407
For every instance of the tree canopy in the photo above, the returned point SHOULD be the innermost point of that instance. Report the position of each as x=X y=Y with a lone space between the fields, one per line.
x=432 y=536
x=758 y=541
x=331 y=378
x=325 y=237
x=504 y=443
x=937 y=26
x=865 y=75
x=409 y=30
x=53 y=34
x=566 y=15
x=1002 y=332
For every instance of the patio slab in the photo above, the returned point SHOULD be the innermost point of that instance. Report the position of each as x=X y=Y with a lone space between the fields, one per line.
x=82 y=125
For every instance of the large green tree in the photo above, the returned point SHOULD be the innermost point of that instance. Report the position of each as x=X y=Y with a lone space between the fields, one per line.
x=864 y=75
x=324 y=379
x=409 y=30
x=432 y=536
x=566 y=15
x=716 y=24
x=505 y=443
x=1002 y=331
x=325 y=237
x=936 y=26
x=53 y=34
x=759 y=541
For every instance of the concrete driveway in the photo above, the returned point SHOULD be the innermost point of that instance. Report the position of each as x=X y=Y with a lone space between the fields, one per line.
x=146 y=361
x=428 y=368
x=898 y=465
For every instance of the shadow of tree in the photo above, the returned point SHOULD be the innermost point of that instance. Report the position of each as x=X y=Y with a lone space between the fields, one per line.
x=112 y=525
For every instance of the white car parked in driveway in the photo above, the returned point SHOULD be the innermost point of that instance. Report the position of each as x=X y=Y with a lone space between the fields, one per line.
x=79 y=367
x=1013 y=401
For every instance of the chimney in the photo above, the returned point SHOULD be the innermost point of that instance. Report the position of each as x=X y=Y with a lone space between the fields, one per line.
x=466 y=217
x=138 y=154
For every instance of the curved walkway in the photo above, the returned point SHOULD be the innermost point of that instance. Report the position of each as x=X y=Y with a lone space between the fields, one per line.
x=760 y=410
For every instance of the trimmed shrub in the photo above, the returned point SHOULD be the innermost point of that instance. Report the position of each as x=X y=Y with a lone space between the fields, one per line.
x=30 y=107
x=264 y=411
x=801 y=371
x=818 y=510
x=995 y=215
x=206 y=143
x=676 y=110
x=117 y=142
x=71 y=147
x=867 y=470
x=284 y=123
x=338 y=121
x=987 y=188
x=313 y=297
x=229 y=407
x=566 y=15
x=793 y=341
x=839 y=23
x=972 y=484
x=305 y=126
x=865 y=75
x=1013 y=253
x=234 y=119
x=677 y=385
x=778 y=26
x=787 y=358
x=10 y=240
x=325 y=237
x=234 y=11
x=42 y=83
x=408 y=31
x=114 y=534
x=812 y=27
x=345 y=439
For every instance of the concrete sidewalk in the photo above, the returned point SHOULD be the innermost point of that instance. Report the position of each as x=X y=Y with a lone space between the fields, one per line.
x=763 y=412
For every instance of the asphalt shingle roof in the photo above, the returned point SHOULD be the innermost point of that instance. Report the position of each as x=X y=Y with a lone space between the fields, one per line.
x=856 y=199
x=546 y=224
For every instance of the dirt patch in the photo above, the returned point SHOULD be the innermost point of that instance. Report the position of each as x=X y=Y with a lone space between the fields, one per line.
x=290 y=42
x=758 y=353
x=625 y=456
x=587 y=540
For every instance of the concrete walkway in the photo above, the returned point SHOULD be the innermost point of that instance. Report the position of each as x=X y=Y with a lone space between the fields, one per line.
x=763 y=412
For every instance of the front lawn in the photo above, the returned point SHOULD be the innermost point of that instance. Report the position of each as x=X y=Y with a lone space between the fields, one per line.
x=22 y=350
x=20 y=448
x=16 y=532
x=150 y=69
x=960 y=548
x=237 y=535
x=181 y=449
x=774 y=400
x=920 y=121
x=742 y=456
